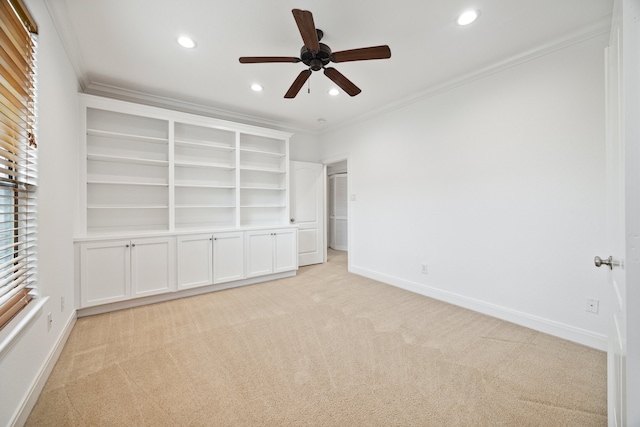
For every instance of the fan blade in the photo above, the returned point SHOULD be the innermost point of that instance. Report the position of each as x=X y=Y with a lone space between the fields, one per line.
x=307 y=28
x=297 y=84
x=264 y=59
x=344 y=83
x=363 y=54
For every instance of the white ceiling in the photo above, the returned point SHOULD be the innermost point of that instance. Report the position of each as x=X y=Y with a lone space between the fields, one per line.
x=128 y=47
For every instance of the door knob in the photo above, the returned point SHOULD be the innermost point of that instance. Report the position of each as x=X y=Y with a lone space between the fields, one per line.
x=599 y=262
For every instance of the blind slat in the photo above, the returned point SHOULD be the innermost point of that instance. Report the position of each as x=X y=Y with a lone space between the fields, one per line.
x=18 y=159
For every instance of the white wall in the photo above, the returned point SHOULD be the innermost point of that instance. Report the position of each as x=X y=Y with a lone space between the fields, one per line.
x=304 y=147
x=22 y=364
x=498 y=186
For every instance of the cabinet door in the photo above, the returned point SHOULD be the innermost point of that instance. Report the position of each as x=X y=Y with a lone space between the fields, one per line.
x=259 y=255
x=105 y=272
x=228 y=257
x=285 y=254
x=195 y=261
x=152 y=266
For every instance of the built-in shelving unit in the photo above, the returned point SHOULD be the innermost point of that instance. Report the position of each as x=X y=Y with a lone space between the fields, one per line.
x=127 y=172
x=205 y=177
x=153 y=170
x=263 y=180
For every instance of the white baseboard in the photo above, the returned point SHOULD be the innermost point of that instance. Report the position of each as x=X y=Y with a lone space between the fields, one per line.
x=41 y=379
x=547 y=326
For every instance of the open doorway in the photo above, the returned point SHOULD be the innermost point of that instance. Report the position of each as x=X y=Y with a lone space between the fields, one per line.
x=337 y=211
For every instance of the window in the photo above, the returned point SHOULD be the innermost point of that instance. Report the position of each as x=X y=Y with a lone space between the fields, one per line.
x=18 y=159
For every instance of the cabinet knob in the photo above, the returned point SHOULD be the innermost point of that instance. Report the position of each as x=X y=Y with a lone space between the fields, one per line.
x=126 y=246
x=133 y=245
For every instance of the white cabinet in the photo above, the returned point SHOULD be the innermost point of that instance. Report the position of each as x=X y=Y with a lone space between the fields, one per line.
x=195 y=260
x=271 y=251
x=206 y=259
x=105 y=272
x=228 y=257
x=118 y=270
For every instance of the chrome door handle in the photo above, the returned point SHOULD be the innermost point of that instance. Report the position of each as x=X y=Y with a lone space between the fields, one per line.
x=600 y=262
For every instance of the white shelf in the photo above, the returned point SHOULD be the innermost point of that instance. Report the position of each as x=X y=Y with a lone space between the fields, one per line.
x=262 y=206
x=204 y=165
x=262 y=152
x=258 y=169
x=130 y=183
x=118 y=135
x=222 y=187
x=201 y=144
x=127 y=207
x=263 y=188
x=130 y=160
x=205 y=206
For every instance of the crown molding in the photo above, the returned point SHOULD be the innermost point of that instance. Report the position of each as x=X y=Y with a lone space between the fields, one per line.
x=594 y=29
x=60 y=17
x=122 y=94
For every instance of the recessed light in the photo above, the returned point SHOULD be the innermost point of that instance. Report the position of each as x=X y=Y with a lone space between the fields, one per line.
x=256 y=87
x=467 y=17
x=186 y=42
x=334 y=92
x=322 y=120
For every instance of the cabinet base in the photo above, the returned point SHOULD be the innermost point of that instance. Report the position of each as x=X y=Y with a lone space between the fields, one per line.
x=106 y=308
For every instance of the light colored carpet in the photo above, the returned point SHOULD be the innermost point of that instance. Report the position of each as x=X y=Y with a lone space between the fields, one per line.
x=325 y=348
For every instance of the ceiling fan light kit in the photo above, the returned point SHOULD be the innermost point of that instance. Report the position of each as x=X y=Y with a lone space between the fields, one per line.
x=316 y=56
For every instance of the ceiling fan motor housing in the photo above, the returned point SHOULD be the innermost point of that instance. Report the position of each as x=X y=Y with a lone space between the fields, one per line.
x=316 y=60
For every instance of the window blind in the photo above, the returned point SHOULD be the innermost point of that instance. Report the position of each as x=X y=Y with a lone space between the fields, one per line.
x=18 y=159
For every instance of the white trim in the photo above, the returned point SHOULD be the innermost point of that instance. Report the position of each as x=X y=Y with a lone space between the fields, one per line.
x=128 y=95
x=30 y=399
x=19 y=323
x=60 y=17
x=541 y=324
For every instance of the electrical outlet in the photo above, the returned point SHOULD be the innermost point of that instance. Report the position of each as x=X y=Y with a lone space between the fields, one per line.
x=49 y=321
x=592 y=305
x=423 y=268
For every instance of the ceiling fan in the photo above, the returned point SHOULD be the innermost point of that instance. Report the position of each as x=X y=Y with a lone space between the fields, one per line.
x=317 y=56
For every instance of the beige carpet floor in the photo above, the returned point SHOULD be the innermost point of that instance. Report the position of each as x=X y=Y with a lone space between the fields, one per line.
x=325 y=348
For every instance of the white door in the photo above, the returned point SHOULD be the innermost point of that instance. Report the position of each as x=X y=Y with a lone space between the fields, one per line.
x=623 y=214
x=307 y=210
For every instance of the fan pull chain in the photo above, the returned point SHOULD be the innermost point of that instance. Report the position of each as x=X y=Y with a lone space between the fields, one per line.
x=309 y=86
